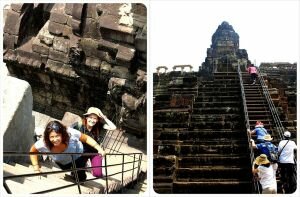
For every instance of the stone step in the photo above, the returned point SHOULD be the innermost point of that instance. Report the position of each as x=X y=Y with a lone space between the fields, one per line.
x=196 y=149
x=218 y=89
x=211 y=111
x=212 y=186
x=163 y=179
x=241 y=159
x=223 y=92
x=259 y=111
x=220 y=84
x=214 y=172
x=33 y=184
x=58 y=178
x=92 y=185
x=216 y=125
x=163 y=188
x=206 y=134
x=216 y=104
x=170 y=125
x=203 y=141
x=218 y=98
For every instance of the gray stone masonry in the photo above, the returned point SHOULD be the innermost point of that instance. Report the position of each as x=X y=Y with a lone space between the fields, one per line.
x=17 y=123
x=58 y=14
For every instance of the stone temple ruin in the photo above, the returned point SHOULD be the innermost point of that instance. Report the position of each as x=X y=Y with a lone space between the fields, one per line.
x=75 y=56
x=200 y=119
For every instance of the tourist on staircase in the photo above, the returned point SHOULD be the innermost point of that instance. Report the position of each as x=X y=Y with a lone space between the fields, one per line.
x=253 y=73
x=60 y=139
x=265 y=148
x=266 y=172
x=259 y=131
x=286 y=163
x=91 y=124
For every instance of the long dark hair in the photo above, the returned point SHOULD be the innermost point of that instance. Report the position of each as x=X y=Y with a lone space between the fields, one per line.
x=57 y=127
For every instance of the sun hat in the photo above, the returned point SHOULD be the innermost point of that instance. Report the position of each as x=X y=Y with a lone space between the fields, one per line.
x=268 y=138
x=287 y=134
x=261 y=159
x=93 y=110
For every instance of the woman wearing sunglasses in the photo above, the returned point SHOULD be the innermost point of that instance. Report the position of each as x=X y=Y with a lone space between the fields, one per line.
x=60 y=139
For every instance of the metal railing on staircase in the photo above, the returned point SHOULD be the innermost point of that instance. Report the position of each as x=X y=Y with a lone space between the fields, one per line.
x=137 y=159
x=255 y=182
x=278 y=125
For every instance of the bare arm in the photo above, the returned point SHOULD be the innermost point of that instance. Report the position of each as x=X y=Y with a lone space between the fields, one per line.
x=251 y=132
x=109 y=125
x=34 y=159
x=90 y=141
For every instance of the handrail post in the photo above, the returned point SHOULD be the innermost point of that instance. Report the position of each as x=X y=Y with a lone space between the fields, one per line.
x=106 y=175
x=133 y=170
x=75 y=173
x=139 y=166
x=6 y=186
x=122 y=171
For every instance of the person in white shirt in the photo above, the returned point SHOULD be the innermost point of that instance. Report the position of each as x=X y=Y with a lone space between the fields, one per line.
x=266 y=173
x=287 y=168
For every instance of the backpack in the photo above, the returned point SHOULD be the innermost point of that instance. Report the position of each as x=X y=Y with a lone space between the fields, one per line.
x=273 y=153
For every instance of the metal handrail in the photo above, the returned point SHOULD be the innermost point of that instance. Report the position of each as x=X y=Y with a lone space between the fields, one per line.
x=272 y=107
x=74 y=169
x=255 y=183
x=279 y=127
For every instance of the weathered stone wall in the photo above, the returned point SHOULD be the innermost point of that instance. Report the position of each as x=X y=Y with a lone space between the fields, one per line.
x=73 y=50
x=282 y=83
x=17 y=123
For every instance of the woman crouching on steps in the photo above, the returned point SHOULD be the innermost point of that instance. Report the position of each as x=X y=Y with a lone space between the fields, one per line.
x=93 y=124
x=59 y=139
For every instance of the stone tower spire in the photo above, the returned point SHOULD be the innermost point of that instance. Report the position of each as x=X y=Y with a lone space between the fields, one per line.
x=224 y=53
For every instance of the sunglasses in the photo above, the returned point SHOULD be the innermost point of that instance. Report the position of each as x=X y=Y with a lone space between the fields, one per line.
x=55 y=126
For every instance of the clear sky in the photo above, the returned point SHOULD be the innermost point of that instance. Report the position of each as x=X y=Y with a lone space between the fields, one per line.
x=181 y=31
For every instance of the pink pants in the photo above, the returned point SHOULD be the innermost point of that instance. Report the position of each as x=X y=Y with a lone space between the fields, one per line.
x=96 y=160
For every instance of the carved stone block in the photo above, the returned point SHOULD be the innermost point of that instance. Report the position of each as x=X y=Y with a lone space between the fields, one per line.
x=124 y=55
x=55 y=28
x=110 y=29
x=77 y=11
x=12 y=23
x=9 y=41
x=45 y=36
x=91 y=29
x=61 y=44
x=39 y=47
x=58 y=14
x=91 y=11
x=58 y=56
x=69 y=8
x=76 y=26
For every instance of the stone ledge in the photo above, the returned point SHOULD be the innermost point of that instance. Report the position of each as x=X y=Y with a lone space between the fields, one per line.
x=58 y=14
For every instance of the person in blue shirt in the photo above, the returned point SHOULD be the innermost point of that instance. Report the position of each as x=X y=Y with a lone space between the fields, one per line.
x=61 y=139
x=265 y=146
x=259 y=131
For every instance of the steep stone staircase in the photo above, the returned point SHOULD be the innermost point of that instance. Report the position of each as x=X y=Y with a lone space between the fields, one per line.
x=36 y=184
x=200 y=143
x=115 y=143
x=258 y=110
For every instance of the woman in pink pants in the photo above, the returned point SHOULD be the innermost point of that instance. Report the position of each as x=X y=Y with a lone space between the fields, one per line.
x=91 y=124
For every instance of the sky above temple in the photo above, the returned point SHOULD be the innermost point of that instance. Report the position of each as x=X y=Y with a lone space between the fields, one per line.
x=180 y=31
